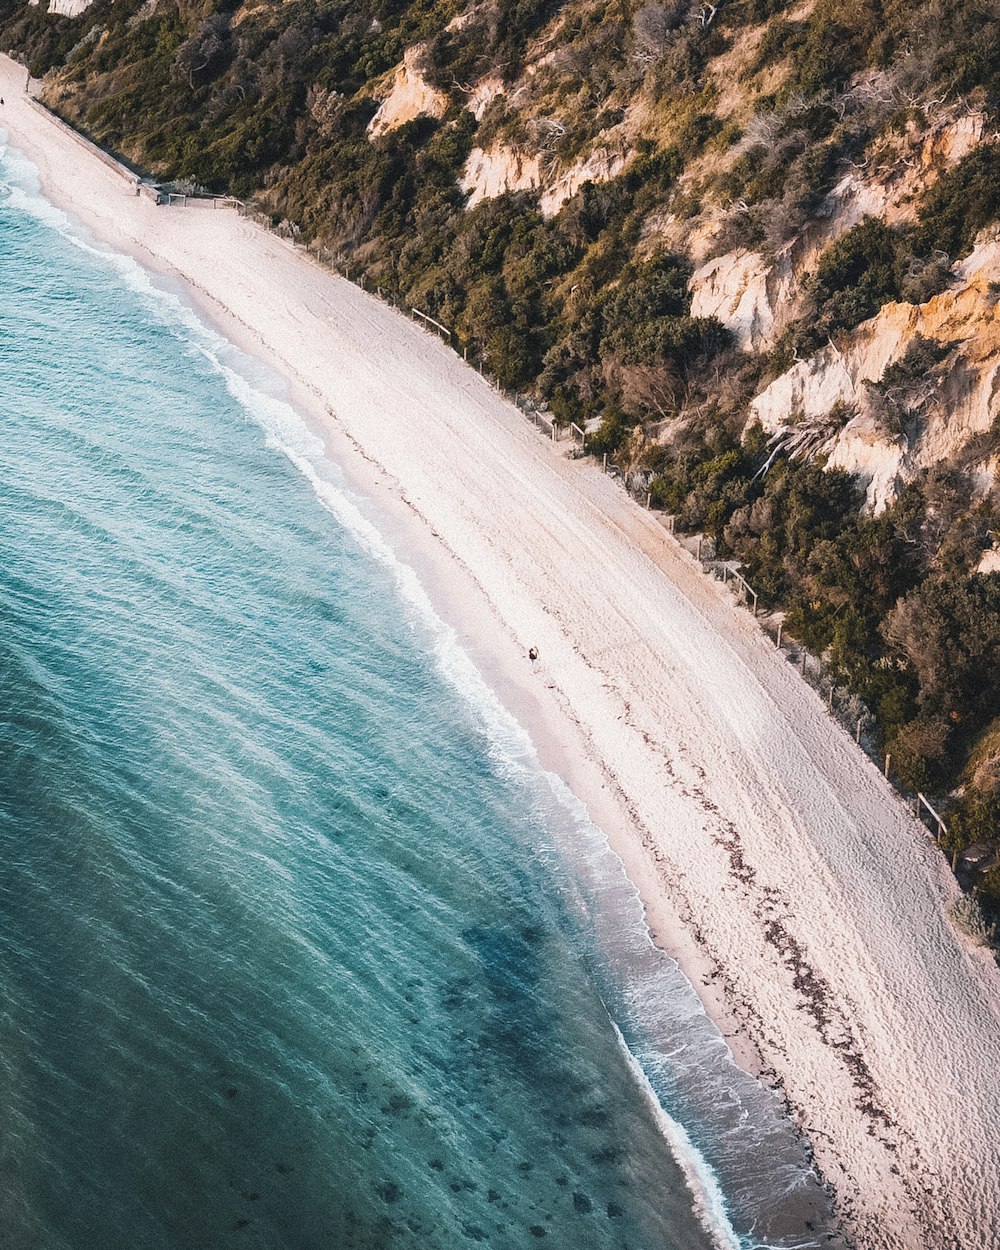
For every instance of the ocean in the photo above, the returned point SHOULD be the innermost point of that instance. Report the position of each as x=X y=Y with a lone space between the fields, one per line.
x=299 y=944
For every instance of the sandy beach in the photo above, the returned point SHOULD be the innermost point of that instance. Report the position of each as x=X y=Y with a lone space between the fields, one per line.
x=807 y=905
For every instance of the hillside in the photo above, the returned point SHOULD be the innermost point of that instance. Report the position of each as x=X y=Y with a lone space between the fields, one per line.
x=751 y=247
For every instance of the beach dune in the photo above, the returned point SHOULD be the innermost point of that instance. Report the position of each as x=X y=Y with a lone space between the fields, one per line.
x=809 y=907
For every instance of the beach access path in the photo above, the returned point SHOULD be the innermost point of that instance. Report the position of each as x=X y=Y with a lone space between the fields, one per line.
x=775 y=862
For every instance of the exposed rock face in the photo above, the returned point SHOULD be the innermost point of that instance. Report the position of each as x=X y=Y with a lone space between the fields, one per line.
x=862 y=450
x=484 y=93
x=745 y=293
x=964 y=400
x=601 y=166
x=409 y=95
x=65 y=8
x=893 y=177
x=756 y=298
x=812 y=387
x=990 y=563
x=501 y=169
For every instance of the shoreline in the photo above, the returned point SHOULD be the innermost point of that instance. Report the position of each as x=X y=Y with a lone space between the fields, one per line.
x=775 y=864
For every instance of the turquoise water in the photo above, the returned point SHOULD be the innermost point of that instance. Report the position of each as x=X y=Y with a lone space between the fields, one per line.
x=299 y=946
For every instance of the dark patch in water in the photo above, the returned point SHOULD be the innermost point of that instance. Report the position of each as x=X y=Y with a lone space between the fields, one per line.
x=595 y=1117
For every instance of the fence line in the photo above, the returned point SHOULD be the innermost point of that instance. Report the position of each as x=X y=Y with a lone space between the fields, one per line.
x=730 y=570
x=942 y=827
x=536 y=415
x=437 y=324
x=543 y=423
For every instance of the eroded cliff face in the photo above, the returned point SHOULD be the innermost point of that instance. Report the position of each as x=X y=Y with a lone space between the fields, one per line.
x=408 y=96
x=758 y=297
x=751 y=296
x=774 y=148
x=65 y=8
x=602 y=165
x=961 y=398
x=492 y=173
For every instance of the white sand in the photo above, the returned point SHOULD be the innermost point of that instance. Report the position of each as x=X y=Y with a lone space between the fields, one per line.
x=772 y=856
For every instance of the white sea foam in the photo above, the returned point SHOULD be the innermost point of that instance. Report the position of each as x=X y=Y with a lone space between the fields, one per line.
x=709 y=1202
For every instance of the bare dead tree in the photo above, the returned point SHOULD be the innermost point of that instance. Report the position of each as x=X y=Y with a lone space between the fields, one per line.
x=201 y=49
x=807 y=437
x=654 y=27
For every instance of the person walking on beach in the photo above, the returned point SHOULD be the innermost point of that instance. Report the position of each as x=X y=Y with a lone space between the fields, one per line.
x=533 y=657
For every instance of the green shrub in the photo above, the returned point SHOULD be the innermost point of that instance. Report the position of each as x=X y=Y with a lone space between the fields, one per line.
x=948 y=630
x=975 y=818
x=959 y=204
x=857 y=274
